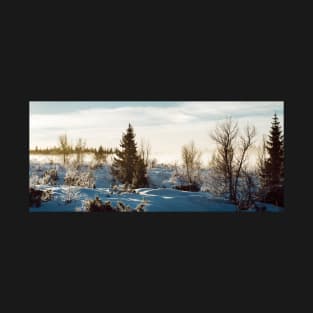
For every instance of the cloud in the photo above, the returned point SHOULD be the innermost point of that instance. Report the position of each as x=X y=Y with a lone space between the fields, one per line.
x=166 y=127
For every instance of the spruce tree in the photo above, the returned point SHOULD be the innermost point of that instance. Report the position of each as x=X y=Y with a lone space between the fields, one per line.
x=275 y=151
x=283 y=161
x=140 y=176
x=124 y=163
x=271 y=175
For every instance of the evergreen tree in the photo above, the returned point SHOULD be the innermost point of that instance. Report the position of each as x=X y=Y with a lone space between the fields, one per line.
x=124 y=163
x=140 y=176
x=272 y=173
x=283 y=161
x=275 y=151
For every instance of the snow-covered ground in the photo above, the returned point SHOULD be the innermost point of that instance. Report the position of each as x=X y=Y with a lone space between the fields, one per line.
x=161 y=197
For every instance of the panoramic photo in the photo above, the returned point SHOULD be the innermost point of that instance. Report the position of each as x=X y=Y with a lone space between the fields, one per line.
x=156 y=156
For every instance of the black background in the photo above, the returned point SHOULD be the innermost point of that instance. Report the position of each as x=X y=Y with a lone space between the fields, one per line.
x=64 y=261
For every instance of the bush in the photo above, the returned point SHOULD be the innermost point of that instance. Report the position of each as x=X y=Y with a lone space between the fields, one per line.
x=51 y=176
x=97 y=206
x=121 y=207
x=36 y=196
x=189 y=187
x=121 y=189
x=48 y=178
x=71 y=194
x=140 y=207
x=75 y=177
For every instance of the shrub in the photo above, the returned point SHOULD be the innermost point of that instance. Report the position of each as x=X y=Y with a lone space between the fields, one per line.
x=48 y=178
x=121 y=207
x=189 y=187
x=36 y=196
x=74 y=177
x=140 y=207
x=97 y=206
x=71 y=194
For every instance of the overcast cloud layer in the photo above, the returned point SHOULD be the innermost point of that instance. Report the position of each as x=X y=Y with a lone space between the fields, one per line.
x=167 y=125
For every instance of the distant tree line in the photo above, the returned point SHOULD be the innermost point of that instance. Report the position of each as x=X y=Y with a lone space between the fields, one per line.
x=71 y=150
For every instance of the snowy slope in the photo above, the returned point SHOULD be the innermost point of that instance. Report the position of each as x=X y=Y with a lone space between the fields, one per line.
x=160 y=197
x=158 y=200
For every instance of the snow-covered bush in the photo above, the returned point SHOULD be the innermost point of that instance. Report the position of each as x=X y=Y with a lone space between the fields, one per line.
x=177 y=178
x=98 y=206
x=214 y=182
x=71 y=194
x=36 y=196
x=181 y=182
x=123 y=188
x=140 y=207
x=115 y=189
x=75 y=177
x=48 y=178
x=247 y=188
x=121 y=207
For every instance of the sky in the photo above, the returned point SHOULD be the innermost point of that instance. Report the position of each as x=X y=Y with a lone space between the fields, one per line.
x=166 y=125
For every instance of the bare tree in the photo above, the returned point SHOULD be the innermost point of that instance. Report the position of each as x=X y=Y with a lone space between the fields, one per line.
x=245 y=142
x=145 y=151
x=217 y=179
x=225 y=135
x=247 y=188
x=191 y=160
x=231 y=154
x=79 y=148
x=64 y=147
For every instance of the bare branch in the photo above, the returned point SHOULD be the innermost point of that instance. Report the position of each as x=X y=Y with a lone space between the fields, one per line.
x=191 y=159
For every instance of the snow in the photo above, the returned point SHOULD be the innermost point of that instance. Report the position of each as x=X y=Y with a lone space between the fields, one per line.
x=161 y=197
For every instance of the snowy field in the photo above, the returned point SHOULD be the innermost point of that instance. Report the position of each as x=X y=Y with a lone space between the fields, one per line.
x=160 y=197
